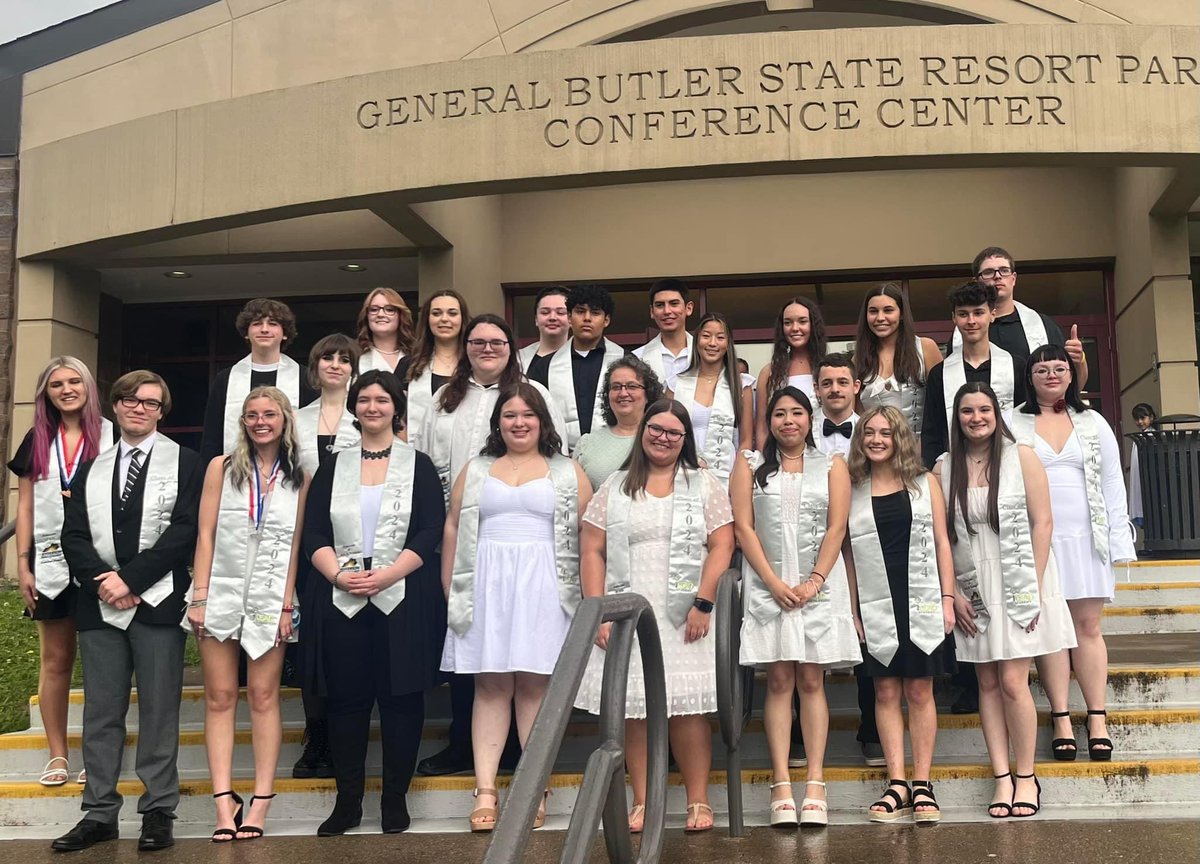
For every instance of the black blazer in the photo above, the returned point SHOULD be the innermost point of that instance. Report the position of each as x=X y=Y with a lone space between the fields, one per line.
x=171 y=554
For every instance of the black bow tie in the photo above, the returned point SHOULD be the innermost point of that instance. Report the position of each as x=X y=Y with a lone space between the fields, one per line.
x=844 y=429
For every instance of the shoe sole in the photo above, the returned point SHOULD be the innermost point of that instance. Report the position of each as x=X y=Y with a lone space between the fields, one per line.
x=874 y=761
x=798 y=763
x=877 y=816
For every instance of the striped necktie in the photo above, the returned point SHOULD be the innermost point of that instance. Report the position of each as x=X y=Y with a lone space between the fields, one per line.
x=135 y=470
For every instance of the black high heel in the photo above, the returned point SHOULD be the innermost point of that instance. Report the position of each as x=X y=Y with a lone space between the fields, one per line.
x=1007 y=805
x=1034 y=807
x=1099 y=749
x=1064 y=749
x=255 y=831
x=229 y=833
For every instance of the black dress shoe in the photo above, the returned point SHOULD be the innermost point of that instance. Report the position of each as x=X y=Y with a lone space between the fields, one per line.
x=345 y=815
x=451 y=760
x=83 y=835
x=966 y=703
x=158 y=831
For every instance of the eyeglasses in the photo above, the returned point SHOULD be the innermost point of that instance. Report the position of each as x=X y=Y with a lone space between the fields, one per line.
x=148 y=404
x=383 y=310
x=252 y=417
x=656 y=431
x=992 y=272
x=632 y=388
x=480 y=344
x=1047 y=371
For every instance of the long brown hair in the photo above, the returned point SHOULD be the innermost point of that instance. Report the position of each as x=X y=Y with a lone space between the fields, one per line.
x=549 y=442
x=637 y=465
x=456 y=390
x=781 y=350
x=422 y=353
x=958 y=461
x=732 y=376
x=770 y=450
x=906 y=363
x=404 y=326
x=906 y=458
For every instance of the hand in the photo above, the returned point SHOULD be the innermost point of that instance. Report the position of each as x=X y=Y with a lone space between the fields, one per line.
x=1033 y=624
x=783 y=594
x=111 y=588
x=697 y=625
x=1074 y=347
x=964 y=615
x=369 y=582
x=602 y=635
x=858 y=628
x=806 y=591
x=195 y=616
x=285 y=627
x=127 y=602
x=28 y=586
x=948 y=616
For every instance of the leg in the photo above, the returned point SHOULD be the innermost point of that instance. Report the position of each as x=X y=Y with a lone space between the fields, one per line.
x=219 y=661
x=529 y=691
x=400 y=722
x=56 y=644
x=350 y=684
x=777 y=721
x=266 y=734
x=691 y=739
x=891 y=735
x=922 y=730
x=995 y=736
x=1021 y=718
x=491 y=715
x=158 y=663
x=814 y=718
x=1091 y=670
x=636 y=758
x=107 y=670
x=1054 y=671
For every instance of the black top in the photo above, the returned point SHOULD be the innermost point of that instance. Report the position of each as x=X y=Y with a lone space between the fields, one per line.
x=586 y=371
x=140 y=570
x=1007 y=332
x=402 y=374
x=212 y=443
x=539 y=369
x=21 y=464
x=325 y=449
x=935 y=436
x=417 y=627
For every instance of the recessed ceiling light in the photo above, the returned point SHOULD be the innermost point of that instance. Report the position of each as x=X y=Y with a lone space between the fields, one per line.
x=352 y=268
x=178 y=274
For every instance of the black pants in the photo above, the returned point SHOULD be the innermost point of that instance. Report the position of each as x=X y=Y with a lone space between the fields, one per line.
x=358 y=671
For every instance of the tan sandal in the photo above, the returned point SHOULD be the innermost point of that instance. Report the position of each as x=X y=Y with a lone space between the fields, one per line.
x=483 y=819
x=56 y=776
x=638 y=813
x=540 y=819
x=693 y=811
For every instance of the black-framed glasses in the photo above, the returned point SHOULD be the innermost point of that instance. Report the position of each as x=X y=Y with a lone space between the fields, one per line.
x=148 y=404
x=632 y=387
x=494 y=344
x=993 y=272
x=671 y=435
x=383 y=310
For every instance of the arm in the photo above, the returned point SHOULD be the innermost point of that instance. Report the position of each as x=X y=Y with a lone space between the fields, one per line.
x=24 y=539
x=450 y=532
x=1074 y=348
x=425 y=530
x=289 y=588
x=716 y=562
x=745 y=419
x=1037 y=498
x=741 y=495
x=852 y=586
x=932 y=354
x=150 y=565
x=1112 y=478
x=945 y=556
x=585 y=490
x=86 y=566
x=760 y=417
x=206 y=536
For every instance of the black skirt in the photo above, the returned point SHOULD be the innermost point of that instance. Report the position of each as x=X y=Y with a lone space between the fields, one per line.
x=55 y=608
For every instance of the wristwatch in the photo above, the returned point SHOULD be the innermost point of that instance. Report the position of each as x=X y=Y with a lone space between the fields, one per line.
x=705 y=606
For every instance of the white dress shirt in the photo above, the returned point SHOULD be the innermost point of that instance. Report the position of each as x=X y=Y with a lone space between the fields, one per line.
x=835 y=443
x=124 y=458
x=672 y=364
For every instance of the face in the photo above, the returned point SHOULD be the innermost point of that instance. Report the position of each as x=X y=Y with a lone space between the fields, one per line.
x=883 y=316
x=374 y=409
x=445 y=318
x=519 y=425
x=266 y=332
x=836 y=388
x=551 y=316
x=1143 y=423
x=797 y=325
x=626 y=394
x=66 y=390
x=588 y=323
x=383 y=317
x=670 y=311
x=487 y=349
x=973 y=321
x=663 y=439
x=333 y=370
x=990 y=274
x=139 y=413
x=1050 y=379
x=263 y=419
x=877 y=439
x=790 y=422
x=977 y=417
x=712 y=342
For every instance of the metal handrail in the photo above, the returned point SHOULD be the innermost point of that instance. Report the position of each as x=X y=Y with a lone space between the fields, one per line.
x=602 y=792
x=732 y=691
x=8 y=531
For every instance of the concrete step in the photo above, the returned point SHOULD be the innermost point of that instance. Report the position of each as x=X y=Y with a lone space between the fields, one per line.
x=1150 y=619
x=1157 y=594
x=1182 y=570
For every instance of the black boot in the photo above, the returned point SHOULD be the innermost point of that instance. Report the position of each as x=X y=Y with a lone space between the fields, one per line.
x=394 y=809
x=348 y=745
x=347 y=814
x=315 y=760
x=400 y=722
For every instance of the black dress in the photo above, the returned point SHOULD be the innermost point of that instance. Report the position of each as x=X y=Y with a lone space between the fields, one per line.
x=893 y=518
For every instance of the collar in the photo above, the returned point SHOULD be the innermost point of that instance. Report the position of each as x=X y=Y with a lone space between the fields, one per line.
x=264 y=367
x=687 y=346
x=471 y=380
x=146 y=446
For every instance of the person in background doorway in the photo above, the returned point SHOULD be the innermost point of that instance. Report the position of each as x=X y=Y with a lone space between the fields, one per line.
x=552 y=323
x=385 y=330
x=670 y=352
x=798 y=346
x=1145 y=418
x=629 y=385
x=437 y=353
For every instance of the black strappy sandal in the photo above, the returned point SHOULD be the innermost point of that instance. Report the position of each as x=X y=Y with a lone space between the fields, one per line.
x=1099 y=749
x=224 y=835
x=1064 y=749
x=933 y=813
x=1007 y=805
x=1034 y=807
x=895 y=808
x=254 y=830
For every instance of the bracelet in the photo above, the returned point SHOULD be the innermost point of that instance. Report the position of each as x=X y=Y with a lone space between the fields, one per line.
x=705 y=606
x=951 y=596
x=335 y=578
x=289 y=609
x=197 y=604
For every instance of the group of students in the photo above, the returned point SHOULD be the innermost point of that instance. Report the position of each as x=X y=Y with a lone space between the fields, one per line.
x=424 y=514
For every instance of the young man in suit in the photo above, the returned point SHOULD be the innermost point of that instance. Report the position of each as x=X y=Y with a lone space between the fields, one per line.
x=128 y=536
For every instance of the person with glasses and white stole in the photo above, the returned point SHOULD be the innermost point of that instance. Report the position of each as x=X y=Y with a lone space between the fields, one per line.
x=128 y=536
x=385 y=331
x=242 y=597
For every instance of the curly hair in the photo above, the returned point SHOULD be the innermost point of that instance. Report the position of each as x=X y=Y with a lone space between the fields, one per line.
x=906 y=456
x=264 y=307
x=549 y=442
x=646 y=376
x=591 y=296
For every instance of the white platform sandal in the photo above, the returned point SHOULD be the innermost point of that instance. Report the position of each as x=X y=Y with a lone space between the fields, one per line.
x=53 y=775
x=814 y=811
x=783 y=811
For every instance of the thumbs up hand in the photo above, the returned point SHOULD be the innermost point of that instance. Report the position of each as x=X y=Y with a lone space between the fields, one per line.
x=1074 y=347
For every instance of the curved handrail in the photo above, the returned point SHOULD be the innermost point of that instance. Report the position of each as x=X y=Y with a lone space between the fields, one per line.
x=602 y=792
x=8 y=531
x=731 y=691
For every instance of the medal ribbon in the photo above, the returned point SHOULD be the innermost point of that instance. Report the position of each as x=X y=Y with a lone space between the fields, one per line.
x=258 y=496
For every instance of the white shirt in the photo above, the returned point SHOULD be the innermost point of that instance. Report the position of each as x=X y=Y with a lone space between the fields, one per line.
x=370 y=498
x=124 y=459
x=835 y=443
x=673 y=364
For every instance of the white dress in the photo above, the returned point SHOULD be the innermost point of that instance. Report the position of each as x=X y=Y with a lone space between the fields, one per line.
x=783 y=637
x=518 y=624
x=691 y=669
x=1003 y=639
x=700 y=414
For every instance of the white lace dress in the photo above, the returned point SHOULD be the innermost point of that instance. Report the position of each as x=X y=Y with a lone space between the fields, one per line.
x=691 y=669
x=784 y=637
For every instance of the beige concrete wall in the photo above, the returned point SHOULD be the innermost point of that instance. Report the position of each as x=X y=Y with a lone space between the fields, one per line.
x=472 y=266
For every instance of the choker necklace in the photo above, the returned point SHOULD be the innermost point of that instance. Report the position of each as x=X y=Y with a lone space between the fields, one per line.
x=1059 y=405
x=389 y=353
x=786 y=456
x=376 y=454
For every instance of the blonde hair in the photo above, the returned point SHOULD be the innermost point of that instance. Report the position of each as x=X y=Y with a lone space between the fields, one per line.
x=906 y=461
x=240 y=463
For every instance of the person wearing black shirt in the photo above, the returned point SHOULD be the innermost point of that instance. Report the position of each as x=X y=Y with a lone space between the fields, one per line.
x=552 y=323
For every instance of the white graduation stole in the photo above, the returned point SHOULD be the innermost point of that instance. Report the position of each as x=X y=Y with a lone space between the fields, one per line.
x=420 y=407
x=51 y=575
x=720 y=445
x=908 y=397
x=161 y=469
x=525 y=355
x=926 y=626
x=1031 y=323
x=561 y=384
x=652 y=355
x=372 y=360
x=287 y=379
x=308 y=423
x=391 y=531
x=461 y=604
x=1002 y=380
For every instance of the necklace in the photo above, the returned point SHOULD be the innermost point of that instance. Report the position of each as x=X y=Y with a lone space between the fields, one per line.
x=330 y=428
x=786 y=456
x=376 y=454
x=514 y=465
x=388 y=353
